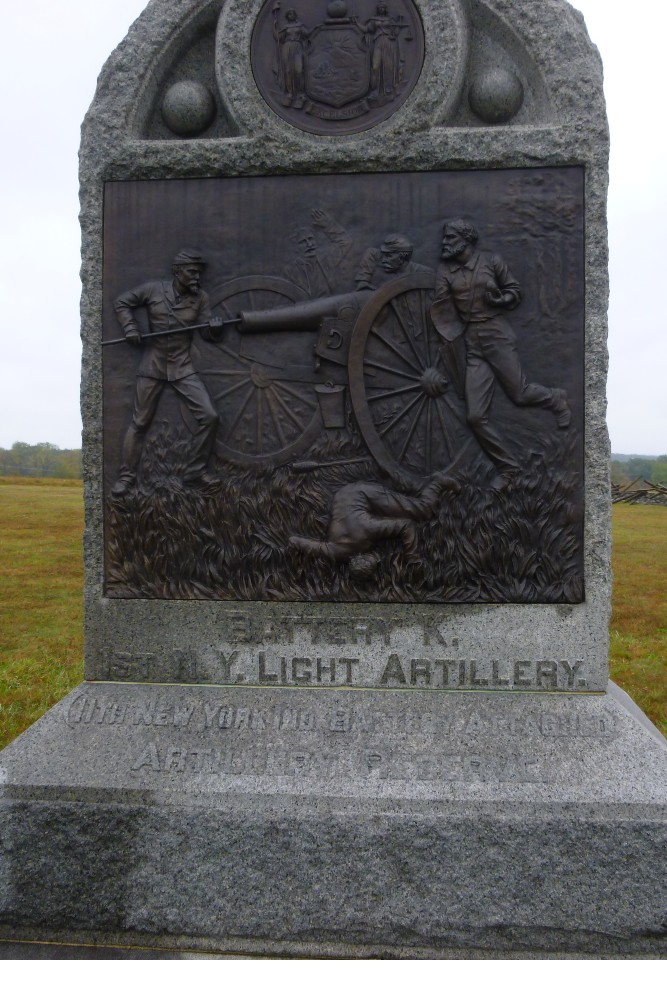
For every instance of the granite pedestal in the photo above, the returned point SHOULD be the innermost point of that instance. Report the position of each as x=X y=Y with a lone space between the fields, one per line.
x=270 y=756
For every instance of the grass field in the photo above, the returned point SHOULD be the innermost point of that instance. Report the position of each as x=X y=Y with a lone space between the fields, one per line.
x=41 y=579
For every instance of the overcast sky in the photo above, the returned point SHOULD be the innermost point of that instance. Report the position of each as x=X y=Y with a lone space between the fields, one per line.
x=52 y=51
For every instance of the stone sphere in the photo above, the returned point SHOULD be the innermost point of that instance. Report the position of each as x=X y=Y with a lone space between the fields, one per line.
x=496 y=95
x=188 y=108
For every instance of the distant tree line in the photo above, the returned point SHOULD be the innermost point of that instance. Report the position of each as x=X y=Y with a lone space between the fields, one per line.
x=654 y=470
x=41 y=461
x=49 y=461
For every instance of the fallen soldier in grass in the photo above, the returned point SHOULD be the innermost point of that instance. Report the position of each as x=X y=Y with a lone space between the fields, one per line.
x=364 y=514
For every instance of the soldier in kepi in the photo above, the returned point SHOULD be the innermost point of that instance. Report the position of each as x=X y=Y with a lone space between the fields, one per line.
x=474 y=290
x=392 y=259
x=172 y=303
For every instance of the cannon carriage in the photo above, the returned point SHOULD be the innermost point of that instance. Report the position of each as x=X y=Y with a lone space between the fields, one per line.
x=289 y=368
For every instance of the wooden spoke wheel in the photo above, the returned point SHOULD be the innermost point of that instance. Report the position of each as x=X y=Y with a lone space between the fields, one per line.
x=263 y=385
x=403 y=381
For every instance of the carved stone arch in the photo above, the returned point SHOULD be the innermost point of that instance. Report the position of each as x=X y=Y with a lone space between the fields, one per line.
x=546 y=48
x=187 y=58
x=504 y=80
x=435 y=97
x=170 y=42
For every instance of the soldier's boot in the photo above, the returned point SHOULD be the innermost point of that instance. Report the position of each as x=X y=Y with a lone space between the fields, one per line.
x=124 y=483
x=561 y=408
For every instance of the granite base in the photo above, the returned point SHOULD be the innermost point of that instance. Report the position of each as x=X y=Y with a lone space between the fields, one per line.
x=337 y=824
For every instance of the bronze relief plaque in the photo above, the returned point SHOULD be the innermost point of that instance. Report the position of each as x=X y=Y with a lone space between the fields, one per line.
x=345 y=388
x=340 y=66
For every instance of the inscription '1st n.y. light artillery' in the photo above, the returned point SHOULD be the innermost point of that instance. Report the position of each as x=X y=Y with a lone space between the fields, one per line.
x=460 y=673
x=314 y=668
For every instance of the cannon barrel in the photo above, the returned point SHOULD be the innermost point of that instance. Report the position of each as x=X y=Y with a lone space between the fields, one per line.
x=300 y=316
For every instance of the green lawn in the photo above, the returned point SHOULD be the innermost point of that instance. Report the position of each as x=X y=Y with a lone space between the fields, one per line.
x=639 y=618
x=41 y=612
x=41 y=524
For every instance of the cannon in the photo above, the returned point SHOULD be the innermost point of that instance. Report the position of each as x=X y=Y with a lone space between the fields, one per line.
x=284 y=370
x=302 y=316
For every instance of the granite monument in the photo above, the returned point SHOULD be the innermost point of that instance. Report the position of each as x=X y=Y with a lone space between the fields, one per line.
x=347 y=503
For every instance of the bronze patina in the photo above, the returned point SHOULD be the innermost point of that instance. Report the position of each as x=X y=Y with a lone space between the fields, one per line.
x=337 y=67
x=381 y=398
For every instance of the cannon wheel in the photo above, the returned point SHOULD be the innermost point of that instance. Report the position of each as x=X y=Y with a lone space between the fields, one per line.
x=265 y=420
x=402 y=387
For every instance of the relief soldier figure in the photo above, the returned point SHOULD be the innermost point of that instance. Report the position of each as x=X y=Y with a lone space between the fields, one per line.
x=315 y=268
x=166 y=360
x=474 y=290
x=317 y=376
x=365 y=514
x=392 y=259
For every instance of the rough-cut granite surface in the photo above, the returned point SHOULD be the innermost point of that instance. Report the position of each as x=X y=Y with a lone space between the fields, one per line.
x=304 y=822
x=255 y=814
x=544 y=44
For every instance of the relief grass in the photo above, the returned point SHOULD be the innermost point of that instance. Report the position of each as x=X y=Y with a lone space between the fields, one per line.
x=41 y=599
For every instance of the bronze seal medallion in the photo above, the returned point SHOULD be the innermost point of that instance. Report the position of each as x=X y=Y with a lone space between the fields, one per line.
x=334 y=67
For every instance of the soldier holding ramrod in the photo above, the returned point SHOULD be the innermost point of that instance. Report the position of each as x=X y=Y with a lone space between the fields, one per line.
x=171 y=304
